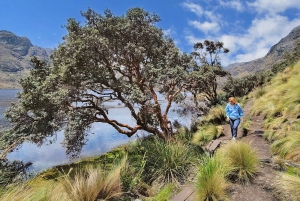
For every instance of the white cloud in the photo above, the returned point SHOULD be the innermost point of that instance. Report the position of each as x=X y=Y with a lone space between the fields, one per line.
x=192 y=39
x=273 y=6
x=194 y=8
x=169 y=32
x=267 y=26
x=235 y=4
x=210 y=25
x=206 y=26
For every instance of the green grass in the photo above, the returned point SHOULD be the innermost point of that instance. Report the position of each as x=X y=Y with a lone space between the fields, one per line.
x=280 y=105
x=242 y=160
x=168 y=161
x=216 y=115
x=207 y=133
x=288 y=147
x=165 y=194
x=211 y=180
x=246 y=125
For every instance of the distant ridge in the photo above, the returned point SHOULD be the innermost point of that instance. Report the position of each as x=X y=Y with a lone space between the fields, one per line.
x=274 y=55
x=15 y=55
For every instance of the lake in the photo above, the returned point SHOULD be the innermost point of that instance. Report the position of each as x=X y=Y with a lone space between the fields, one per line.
x=102 y=137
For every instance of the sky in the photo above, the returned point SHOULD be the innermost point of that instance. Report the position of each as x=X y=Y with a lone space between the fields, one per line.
x=249 y=28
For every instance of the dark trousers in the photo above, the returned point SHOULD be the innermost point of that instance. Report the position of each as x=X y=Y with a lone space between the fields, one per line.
x=234 y=124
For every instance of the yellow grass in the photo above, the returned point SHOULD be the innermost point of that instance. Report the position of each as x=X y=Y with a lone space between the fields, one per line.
x=289 y=185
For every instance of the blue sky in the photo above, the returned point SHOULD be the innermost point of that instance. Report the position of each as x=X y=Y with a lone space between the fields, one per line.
x=248 y=28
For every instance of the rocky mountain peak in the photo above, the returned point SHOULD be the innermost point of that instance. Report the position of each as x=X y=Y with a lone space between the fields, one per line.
x=15 y=43
x=275 y=54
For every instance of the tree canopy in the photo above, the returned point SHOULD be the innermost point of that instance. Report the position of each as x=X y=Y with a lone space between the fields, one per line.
x=125 y=58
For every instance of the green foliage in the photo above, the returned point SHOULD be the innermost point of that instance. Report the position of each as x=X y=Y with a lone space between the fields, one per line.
x=211 y=182
x=165 y=194
x=239 y=87
x=242 y=160
x=131 y=175
x=125 y=58
x=184 y=134
x=12 y=172
x=205 y=76
x=207 y=133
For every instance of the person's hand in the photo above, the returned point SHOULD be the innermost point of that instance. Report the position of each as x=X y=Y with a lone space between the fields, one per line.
x=227 y=119
x=241 y=119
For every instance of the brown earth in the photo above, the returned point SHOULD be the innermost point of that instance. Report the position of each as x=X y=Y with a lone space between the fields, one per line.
x=262 y=188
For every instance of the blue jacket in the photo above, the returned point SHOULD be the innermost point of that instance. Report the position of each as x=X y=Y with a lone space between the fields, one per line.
x=234 y=111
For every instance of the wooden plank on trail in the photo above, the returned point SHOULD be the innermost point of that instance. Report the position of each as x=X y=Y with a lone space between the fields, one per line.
x=184 y=194
x=216 y=143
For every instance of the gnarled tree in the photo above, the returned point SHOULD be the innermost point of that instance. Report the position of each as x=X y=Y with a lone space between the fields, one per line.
x=204 y=76
x=124 y=58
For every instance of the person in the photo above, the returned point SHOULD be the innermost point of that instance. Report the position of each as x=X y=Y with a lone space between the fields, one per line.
x=234 y=115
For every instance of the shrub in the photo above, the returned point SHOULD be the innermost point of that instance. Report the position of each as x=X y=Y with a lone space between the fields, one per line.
x=242 y=160
x=211 y=182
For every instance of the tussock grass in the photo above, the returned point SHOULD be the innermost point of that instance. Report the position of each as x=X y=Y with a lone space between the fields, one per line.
x=207 y=133
x=35 y=189
x=280 y=105
x=288 y=147
x=168 y=161
x=260 y=92
x=246 y=125
x=216 y=115
x=242 y=160
x=289 y=184
x=211 y=180
x=93 y=183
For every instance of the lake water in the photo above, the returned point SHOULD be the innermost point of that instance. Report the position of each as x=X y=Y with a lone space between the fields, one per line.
x=102 y=137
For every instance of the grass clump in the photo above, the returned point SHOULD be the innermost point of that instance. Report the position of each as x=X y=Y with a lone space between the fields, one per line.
x=288 y=147
x=94 y=183
x=165 y=194
x=242 y=160
x=167 y=161
x=211 y=180
x=289 y=185
x=207 y=133
x=246 y=125
x=216 y=115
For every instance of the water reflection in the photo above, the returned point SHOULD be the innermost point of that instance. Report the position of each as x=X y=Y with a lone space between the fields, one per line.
x=102 y=138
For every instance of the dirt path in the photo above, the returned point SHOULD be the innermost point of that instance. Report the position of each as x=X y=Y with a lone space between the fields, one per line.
x=262 y=188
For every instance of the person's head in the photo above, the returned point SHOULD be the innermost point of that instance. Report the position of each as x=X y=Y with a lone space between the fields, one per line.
x=232 y=100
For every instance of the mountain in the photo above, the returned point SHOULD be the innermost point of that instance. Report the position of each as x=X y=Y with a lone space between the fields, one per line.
x=274 y=55
x=15 y=55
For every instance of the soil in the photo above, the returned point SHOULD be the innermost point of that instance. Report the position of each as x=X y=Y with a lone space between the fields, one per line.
x=262 y=188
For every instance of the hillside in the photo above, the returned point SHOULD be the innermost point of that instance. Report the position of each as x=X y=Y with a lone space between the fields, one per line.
x=15 y=55
x=274 y=55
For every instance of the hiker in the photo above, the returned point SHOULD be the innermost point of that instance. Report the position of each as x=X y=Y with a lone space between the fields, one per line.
x=234 y=115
